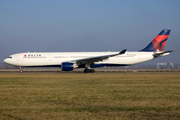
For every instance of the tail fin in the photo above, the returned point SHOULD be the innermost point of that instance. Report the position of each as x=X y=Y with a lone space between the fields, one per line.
x=159 y=42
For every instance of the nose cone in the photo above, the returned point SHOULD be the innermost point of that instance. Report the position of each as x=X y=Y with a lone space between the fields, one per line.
x=5 y=60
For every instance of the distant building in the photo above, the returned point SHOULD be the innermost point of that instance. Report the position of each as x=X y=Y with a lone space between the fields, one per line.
x=165 y=65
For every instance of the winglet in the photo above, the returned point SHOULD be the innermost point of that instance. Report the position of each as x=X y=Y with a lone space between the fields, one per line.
x=123 y=51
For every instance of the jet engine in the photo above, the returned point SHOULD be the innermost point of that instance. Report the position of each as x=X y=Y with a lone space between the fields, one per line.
x=67 y=66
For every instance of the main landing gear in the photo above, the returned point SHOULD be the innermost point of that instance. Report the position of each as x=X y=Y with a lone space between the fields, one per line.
x=89 y=70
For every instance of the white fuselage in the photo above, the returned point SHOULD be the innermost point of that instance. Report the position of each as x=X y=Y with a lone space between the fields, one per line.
x=57 y=58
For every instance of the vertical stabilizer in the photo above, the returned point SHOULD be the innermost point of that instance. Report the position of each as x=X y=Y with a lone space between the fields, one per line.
x=159 y=42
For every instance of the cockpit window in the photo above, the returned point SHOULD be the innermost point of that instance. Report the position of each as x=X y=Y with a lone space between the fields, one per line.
x=9 y=57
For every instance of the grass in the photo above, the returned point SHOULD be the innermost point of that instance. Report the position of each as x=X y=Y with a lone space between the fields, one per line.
x=90 y=96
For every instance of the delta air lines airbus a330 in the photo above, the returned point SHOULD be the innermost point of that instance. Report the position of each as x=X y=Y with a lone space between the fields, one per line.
x=88 y=60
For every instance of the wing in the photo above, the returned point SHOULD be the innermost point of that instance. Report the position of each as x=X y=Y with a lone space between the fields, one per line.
x=92 y=60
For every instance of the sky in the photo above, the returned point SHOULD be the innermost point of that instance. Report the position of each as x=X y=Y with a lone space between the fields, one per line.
x=87 y=25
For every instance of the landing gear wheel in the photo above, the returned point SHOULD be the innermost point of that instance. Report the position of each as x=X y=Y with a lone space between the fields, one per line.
x=89 y=70
x=92 y=70
x=86 y=70
x=21 y=71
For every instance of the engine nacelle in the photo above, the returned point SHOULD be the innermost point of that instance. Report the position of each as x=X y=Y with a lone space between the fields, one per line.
x=66 y=66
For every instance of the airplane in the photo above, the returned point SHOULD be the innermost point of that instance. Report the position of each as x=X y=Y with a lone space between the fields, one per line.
x=68 y=61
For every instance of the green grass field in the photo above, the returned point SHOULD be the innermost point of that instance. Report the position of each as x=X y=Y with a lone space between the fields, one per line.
x=90 y=96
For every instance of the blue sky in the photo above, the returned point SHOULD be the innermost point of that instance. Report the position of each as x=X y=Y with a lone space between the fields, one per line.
x=87 y=25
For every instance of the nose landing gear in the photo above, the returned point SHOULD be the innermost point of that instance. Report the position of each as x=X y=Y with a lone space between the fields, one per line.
x=21 y=70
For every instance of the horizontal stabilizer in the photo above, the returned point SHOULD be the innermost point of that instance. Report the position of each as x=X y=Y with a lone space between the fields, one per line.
x=162 y=53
